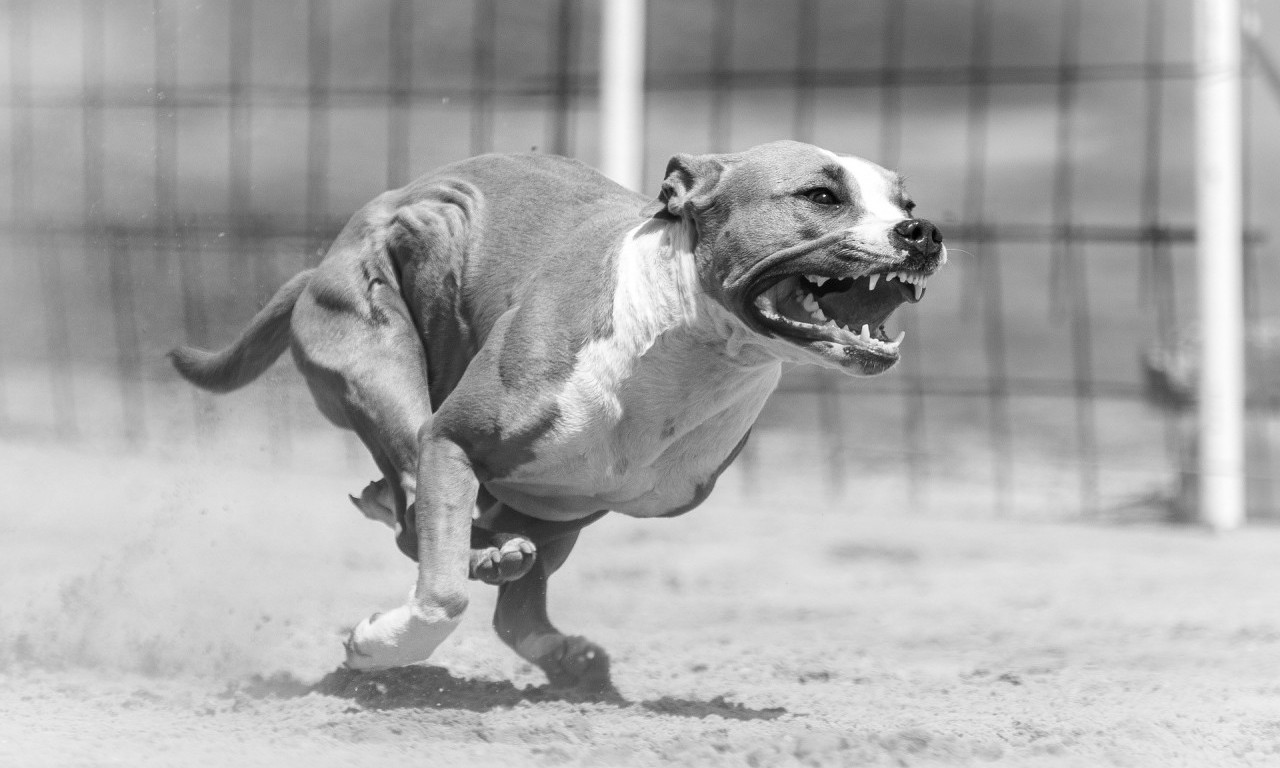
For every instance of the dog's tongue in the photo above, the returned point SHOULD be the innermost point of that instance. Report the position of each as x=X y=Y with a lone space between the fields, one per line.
x=858 y=306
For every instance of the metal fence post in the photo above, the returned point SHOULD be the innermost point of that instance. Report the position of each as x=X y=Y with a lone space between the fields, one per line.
x=1219 y=247
x=622 y=91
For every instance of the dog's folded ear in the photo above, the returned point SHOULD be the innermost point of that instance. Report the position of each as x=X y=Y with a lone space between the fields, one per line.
x=686 y=190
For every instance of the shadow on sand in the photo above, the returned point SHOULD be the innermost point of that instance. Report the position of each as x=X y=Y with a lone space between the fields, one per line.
x=425 y=687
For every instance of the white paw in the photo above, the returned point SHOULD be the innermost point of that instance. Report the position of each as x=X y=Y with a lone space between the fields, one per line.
x=396 y=638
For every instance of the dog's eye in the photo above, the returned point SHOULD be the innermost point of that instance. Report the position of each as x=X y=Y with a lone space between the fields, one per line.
x=822 y=196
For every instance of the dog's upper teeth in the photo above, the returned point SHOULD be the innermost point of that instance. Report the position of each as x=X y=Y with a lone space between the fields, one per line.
x=817 y=280
x=871 y=281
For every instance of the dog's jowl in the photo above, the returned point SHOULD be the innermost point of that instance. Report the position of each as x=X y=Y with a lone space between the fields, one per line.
x=523 y=345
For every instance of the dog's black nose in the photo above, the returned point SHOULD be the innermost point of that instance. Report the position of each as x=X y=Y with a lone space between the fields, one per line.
x=919 y=235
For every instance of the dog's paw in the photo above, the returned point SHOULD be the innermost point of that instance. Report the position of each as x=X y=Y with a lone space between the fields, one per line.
x=497 y=565
x=377 y=502
x=395 y=639
x=576 y=662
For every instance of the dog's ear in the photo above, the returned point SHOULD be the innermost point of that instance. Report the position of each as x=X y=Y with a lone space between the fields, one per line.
x=686 y=188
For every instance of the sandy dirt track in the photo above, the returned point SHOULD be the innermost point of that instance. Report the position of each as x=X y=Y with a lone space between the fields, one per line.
x=159 y=613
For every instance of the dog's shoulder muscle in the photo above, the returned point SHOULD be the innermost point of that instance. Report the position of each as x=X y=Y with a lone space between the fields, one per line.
x=641 y=419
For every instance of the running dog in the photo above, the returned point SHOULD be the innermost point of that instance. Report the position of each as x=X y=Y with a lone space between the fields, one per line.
x=523 y=345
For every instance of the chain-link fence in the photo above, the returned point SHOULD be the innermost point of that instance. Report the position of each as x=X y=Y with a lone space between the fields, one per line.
x=171 y=162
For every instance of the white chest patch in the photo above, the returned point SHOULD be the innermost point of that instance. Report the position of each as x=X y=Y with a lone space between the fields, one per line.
x=651 y=412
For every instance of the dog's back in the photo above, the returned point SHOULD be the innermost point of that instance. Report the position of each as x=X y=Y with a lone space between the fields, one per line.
x=410 y=238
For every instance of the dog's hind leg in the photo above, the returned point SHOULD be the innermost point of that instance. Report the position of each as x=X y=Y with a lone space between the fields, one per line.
x=355 y=341
x=521 y=621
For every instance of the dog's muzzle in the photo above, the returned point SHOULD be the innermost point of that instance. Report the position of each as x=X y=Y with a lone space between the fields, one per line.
x=820 y=307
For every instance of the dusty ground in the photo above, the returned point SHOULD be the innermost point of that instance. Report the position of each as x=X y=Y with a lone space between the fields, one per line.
x=165 y=613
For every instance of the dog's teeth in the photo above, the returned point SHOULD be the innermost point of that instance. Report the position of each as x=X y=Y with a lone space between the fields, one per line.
x=919 y=290
x=871 y=281
x=817 y=315
x=901 y=335
x=809 y=303
x=817 y=280
x=765 y=303
x=866 y=332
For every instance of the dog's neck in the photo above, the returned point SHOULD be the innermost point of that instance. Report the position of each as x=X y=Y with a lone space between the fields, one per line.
x=660 y=296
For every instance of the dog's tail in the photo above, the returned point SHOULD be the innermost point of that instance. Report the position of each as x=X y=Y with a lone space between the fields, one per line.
x=265 y=339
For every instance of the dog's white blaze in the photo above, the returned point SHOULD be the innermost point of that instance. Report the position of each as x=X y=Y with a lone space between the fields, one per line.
x=875 y=187
x=875 y=197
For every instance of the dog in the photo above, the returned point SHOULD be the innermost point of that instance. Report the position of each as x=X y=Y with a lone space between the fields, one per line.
x=523 y=345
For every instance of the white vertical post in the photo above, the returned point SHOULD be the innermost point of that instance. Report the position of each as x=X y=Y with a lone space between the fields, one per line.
x=622 y=91
x=1219 y=248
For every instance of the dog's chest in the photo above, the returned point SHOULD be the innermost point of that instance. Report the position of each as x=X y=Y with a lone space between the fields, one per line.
x=640 y=434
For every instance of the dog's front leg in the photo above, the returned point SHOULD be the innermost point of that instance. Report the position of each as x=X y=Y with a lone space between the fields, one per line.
x=446 y=496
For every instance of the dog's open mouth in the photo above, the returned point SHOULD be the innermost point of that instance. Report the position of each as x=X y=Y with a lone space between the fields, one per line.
x=847 y=311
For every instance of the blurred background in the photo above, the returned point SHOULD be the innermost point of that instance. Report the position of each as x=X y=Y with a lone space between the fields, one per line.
x=166 y=164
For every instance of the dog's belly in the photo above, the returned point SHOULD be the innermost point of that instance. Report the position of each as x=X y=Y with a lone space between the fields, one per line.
x=642 y=456
x=572 y=480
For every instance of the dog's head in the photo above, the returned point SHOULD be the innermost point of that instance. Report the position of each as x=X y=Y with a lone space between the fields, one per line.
x=811 y=250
